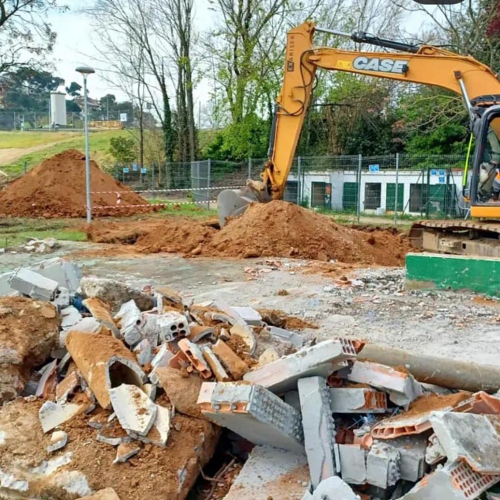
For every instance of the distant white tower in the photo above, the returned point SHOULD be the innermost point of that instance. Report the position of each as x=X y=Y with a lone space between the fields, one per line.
x=58 y=108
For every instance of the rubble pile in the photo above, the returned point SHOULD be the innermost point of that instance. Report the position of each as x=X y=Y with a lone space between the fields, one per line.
x=56 y=188
x=136 y=391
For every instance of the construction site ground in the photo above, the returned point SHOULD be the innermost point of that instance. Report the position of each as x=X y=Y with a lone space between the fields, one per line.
x=346 y=300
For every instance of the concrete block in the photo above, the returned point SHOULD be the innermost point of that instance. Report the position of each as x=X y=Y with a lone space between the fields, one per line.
x=249 y=315
x=456 y=272
x=319 y=428
x=195 y=357
x=357 y=400
x=66 y=273
x=401 y=386
x=58 y=441
x=215 y=365
x=353 y=463
x=320 y=360
x=134 y=410
x=53 y=414
x=231 y=362
x=286 y=335
x=334 y=488
x=271 y=473
x=383 y=465
x=126 y=451
x=412 y=451
x=104 y=363
x=254 y=413
x=33 y=284
x=172 y=326
x=454 y=481
x=469 y=437
x=130 y=319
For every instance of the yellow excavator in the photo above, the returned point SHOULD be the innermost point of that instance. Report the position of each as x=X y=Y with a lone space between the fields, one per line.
x=478 y=85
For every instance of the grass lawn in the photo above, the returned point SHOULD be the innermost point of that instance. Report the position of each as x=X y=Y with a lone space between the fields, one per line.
x=55 y=142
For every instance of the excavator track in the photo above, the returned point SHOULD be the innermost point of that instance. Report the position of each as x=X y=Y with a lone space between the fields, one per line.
x=457 y=237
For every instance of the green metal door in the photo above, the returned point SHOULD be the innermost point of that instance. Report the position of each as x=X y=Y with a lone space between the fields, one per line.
x=350 y=196
x=390 y=196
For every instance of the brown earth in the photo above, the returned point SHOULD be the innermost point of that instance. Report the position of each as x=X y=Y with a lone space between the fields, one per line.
x=56 y=188
x=275 y=229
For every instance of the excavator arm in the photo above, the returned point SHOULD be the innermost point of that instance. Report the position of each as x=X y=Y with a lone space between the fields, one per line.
x=425 y=65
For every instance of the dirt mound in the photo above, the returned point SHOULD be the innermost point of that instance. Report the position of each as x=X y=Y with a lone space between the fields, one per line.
x=281 y=229
x=56 y=188
x=276 y=229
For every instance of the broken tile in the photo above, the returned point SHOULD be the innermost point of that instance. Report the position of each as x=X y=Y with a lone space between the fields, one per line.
x=319 y=360
x=48 y=380
x=144 y=352
x=318 y=426
x=198 y=332
x=58 y=440
x=271 y=473
x=134 y=410
x=126 y=451
x=231 y=362
x=357 y=400
x=158 y=435
x=254 y=413
x=53 y=414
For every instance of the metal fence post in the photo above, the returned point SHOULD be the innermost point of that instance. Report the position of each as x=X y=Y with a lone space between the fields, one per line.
x=249 y=168
x=358 y=201
x=397 y=191
x=209 y=166
x=153 y=176
x=299 y=170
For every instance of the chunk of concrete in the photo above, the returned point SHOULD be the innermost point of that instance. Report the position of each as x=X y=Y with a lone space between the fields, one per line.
x=66 y=273
x=104 y=363
x=134 y=410
x=58 y=440
x=126 y=451
x=454 y=481
x=5 y=289
x=320 y=360
x=254 y=413
x=115 y=293
x=292 y=398
x=287 y=336
x=271 y=473
x=70 y=316
x=129 y=318
x=469 y=437
x=162 y=357
x=319 y=428
x=158 y=435
x=353 y=463
x=87 y=325
x=434 y=452
x=412 y=451
x=106 y=494
x=215 y=365
x=33 y=285
x=53 y=414
x=383 y=465
x=357 y=400
x=249 y=315
x=333 y=488
x=144 y=352
x=67 y=386
x=401 y=386
x=231 y=362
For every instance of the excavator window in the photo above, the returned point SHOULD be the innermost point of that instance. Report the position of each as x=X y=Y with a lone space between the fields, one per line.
x=489 y=168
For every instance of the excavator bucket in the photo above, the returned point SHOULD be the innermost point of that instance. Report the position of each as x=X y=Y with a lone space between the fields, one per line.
x=233 y=202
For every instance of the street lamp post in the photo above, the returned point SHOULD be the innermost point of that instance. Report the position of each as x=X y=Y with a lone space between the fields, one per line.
x=86 y=71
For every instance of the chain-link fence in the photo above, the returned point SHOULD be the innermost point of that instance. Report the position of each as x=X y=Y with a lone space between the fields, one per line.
x=354 y=187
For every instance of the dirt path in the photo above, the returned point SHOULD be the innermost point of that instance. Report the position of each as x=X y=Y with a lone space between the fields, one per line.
x=11 y=155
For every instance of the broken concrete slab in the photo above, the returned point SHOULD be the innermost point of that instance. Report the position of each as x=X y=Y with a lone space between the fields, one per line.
x=353 y=463
x=104 y=363
x=254 y=413
x=158 y=435
x=383 y=465
x=272 y=473
x=357 y=400
x=231 y=362
x=401 y=386
x=287 y=336
x=412 y=451
x=33 y=285
x=58 y=440
x=126 y=451
x=66 y=273
x=182 y=390
x=469 y=437
x=115 y=293
x=319 y=428
x=134 y=410
x=268 y=356
x=144 y=352
x=106 y=494
x=454 y=481
x=70 y=316
x=319 y=360
x=334 y=488
x=54 y=414
x=249 y=315
x=162 y=357
x=215 y=365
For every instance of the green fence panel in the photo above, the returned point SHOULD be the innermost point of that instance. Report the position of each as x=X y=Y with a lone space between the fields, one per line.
x=391 y=195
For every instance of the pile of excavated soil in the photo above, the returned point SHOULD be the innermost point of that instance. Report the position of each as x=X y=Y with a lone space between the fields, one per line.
x=56 y=188
x=275 y=229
